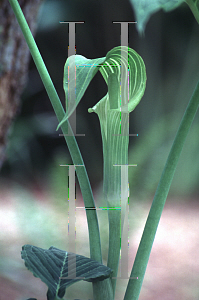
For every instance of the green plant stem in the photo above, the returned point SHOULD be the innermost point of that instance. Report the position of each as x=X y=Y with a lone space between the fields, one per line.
x=143 y=253
x=94 y=237
x=194 y=6
x=103 y=290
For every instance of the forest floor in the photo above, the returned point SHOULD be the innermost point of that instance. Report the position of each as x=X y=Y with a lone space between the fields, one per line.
x=31 y=217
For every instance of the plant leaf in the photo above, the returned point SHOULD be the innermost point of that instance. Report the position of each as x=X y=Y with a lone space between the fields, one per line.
x=194 y=6
x=145 y=8
x=51 y=266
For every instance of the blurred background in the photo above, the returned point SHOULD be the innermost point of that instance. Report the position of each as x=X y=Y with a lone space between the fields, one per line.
x=33 y=185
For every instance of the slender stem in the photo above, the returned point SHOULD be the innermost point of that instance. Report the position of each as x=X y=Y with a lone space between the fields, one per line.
x=143 y=253
x=94 y=236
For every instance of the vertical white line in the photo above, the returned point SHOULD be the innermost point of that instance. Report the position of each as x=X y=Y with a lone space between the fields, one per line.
x=72 y=77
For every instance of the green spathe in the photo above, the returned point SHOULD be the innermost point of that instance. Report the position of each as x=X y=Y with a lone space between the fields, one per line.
x=85 y=69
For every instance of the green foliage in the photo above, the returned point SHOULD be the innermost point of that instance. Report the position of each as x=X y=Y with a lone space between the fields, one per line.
x=52 y=267
x=194 y=6
x=144 y=9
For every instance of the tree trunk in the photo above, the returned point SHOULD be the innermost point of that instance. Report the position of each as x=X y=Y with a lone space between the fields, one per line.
x=14 y=59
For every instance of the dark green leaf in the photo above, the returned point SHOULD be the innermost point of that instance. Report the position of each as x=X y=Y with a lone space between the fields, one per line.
x=51 y=266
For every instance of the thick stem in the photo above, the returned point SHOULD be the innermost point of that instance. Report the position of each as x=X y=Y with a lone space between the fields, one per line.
x=114 y=244
x=102 y=290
